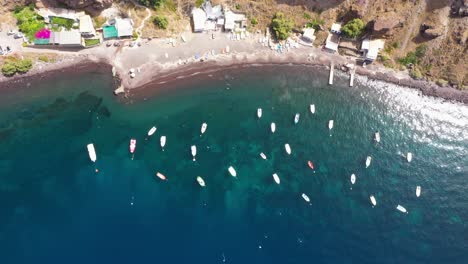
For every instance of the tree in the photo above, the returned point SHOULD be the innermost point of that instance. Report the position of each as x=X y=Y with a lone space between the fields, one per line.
x=8 y=69
x=254 y=21
x=160 y=22
x=353 y=28
x=281 y=26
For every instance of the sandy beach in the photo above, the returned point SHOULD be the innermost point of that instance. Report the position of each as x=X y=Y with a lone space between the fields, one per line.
x=160 y=61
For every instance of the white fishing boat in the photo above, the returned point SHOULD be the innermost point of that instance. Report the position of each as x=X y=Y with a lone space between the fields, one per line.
x=330 y=124
x=368 y=161
x=353 y=178
x=259 y=113
x=373 y=201
x=263 y=156
x=377 y=137
x=163 y=142
x=312 y=108
x=409 y=156
x=273 y=127
x=418 y=191
x=194 y=151
x=401 y=209
x=132 y=146
x=201 y=181
x=91 y=152
x=203 y=128
x=151 y=131
x=296 y=118
x=232 y=171
x=276 y=178
x=305 y=197
x=287 y=148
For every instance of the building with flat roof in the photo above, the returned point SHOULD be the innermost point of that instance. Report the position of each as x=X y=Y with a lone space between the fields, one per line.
x=199 y=19
x=332 y=42
x=233 y=20
x=66 y=38
x=86 y=26
x=308 y=34
x=124 y=27
x=371 y=48
x=336 y=28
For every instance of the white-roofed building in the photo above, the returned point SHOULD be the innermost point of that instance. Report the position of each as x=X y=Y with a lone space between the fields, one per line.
x=371 y=48
x=199 y=19
x=124 y=27
x=233 y=20
x=66 y=38
x=86 y=26
x=212 y=12
x=332 y=42
x=308 y=34
x=336 y=28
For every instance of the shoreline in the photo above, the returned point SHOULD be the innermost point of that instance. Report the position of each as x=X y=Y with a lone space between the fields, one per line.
x=158 y=74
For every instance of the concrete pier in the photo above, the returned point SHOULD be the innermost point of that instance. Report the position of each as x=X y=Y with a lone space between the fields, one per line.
x=352 y=71
x=330 y=79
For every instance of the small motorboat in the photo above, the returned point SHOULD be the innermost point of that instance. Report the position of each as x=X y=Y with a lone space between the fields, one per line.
x=287 y=148
x=232 y=171
x=312 y=108
x=203 y=128
x=273 y=127
x=373 y=201
x=151 y=131
x=259 y=113
x=163 y=142
x=132 y=146
x=201 y=181
x=194 y=151
x=353 y=178
x=377 y=137
x=91 y=152
x=418 y=191
x=330 y=124
x=401 y=209
x=263 y=156
x=368 y=161
x=409 y=156
x=296 y=118
x=305 y=197
x=161 y=176
x=276 y=178
x=311 y=165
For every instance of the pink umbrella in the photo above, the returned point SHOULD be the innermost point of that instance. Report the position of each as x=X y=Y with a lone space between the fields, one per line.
x=43 y=34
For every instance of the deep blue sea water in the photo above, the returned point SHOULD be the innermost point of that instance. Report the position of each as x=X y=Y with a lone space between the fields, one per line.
x=54 y=208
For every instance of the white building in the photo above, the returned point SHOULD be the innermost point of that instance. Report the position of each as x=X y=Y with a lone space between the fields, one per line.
x=336 y=28
x=308 y=34
x=233 y=20
x=66 y=38
x=199 y=19
x=124 y=27
x=86 y=26
x=333 y=40
x=371 y=48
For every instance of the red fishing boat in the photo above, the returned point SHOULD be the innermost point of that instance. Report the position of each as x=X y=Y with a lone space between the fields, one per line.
x=311 y=165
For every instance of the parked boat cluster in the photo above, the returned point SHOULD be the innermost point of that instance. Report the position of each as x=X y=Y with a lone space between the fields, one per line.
x=276 y=178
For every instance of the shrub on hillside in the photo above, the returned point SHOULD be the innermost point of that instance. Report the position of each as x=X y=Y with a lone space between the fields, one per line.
x=281 y=26
x=160 y=22
x=8 y=69
x=353 y=28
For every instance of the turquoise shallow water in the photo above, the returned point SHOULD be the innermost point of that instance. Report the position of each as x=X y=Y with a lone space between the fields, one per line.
x=56 y=209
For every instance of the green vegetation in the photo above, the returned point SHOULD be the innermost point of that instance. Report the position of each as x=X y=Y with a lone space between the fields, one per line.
x=92 y=42
x=62 y=22
x=14 y=65
x=157 y=4
x=254 y=21
x=238 y=7
x=414 y=57
x=315 y=23
x=199 y=3
x=43 y=58
x=416 y=74
x=134 y=35
x=307 y=16
x=29 y=22
x=353 y=28
x=281 y=26
x=160 y=22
